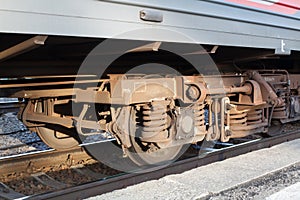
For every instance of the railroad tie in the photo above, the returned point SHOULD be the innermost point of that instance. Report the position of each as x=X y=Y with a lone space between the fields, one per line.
x=48 y=181
x=8 y=193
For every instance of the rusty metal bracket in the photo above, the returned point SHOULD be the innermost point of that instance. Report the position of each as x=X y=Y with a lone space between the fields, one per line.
x=80 y=123
x=225 y=114
x=23 y=47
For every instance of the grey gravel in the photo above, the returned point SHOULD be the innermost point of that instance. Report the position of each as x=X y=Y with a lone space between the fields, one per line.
x=262 y=187
x=10 y=123
x=13 y=133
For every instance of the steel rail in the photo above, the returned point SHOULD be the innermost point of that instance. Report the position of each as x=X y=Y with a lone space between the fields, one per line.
x=34 y=160
x=6 y=107
x=118 y=182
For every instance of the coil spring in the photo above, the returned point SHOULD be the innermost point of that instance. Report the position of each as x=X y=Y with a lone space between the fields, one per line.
x=238 y=118
x=242 y=118
x=280 y=112
x=199 y=115
x=155 y=123
x=255 y=117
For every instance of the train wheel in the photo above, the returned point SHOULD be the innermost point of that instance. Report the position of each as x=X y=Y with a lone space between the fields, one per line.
x=151 y=153
x=55 y=139
x=156 y=157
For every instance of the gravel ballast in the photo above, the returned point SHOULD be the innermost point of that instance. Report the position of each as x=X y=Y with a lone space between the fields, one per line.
x=13 y=133
x=262 y=187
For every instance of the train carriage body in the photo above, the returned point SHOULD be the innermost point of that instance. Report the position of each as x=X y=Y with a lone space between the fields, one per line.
x=234 y=23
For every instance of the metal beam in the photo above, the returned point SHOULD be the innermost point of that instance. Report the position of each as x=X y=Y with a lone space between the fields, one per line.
x=23 y=47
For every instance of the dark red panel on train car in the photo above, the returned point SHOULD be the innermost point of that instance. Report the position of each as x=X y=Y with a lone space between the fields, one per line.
x=279 y=6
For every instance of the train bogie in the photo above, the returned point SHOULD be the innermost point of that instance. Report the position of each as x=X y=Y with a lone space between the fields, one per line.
x=151 y=114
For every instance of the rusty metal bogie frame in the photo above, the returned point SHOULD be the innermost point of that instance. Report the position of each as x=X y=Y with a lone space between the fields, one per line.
x=242 y=106
x=39 y=112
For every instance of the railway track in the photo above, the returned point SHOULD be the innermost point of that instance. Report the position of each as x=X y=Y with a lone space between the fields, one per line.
x=28 y=170
x=34 y=161
x=96 y=178
x=9 y=105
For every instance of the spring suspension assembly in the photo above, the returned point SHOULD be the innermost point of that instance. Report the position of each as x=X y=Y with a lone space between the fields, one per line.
x=238 y=118
x=255 y=117
x=154 y=123
x=280 y=112
x=199 y=118
x=247 y=122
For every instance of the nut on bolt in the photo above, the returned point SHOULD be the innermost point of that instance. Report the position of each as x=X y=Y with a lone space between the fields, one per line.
x=193 y=93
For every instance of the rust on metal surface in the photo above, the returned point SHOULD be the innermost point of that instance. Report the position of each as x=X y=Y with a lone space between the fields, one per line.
x=149 y=113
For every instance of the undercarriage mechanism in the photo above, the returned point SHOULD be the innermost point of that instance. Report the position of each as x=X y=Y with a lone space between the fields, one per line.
x=154 y=118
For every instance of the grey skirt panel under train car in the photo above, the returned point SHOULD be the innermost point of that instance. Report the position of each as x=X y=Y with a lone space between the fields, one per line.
x=212 y=22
